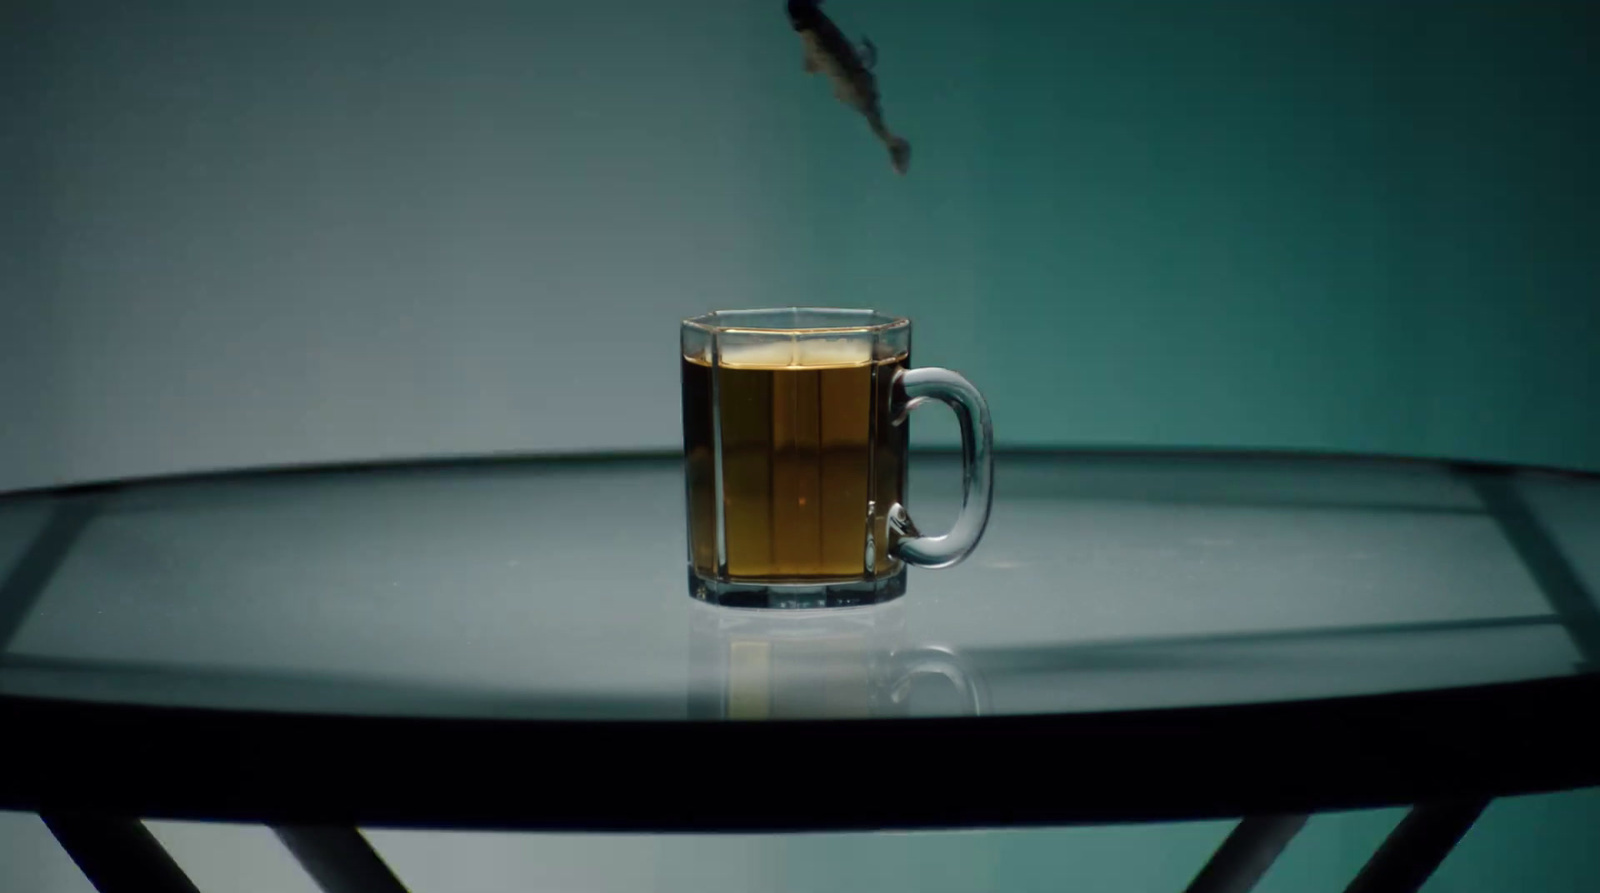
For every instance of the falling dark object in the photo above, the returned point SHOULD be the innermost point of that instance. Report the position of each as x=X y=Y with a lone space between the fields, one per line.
x=849 y=68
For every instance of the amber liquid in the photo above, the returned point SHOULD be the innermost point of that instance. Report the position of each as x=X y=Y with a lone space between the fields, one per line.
x=811 y=464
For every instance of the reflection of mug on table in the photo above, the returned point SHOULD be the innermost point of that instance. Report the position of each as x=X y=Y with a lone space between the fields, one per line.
x=850 y=664
x=795 y=438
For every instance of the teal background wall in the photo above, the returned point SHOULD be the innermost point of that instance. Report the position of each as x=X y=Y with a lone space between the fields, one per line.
x=1322 y=225
x=243 y=234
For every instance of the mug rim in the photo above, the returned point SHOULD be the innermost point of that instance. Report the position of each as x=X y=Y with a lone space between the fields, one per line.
x=876 y=321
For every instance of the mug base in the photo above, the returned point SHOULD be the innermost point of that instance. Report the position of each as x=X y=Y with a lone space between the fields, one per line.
x=820 y=594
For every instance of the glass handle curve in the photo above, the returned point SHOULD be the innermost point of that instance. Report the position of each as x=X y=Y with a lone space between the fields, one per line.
x=916 y=387
x=937 y=660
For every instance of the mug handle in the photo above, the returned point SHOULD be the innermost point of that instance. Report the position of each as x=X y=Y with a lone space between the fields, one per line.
x=941 y=661
x=914 y=388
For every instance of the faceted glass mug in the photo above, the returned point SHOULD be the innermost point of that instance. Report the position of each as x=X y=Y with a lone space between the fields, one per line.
x=795 y=436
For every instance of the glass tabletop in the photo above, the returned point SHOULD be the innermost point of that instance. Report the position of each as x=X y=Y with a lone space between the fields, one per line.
x=556 y=590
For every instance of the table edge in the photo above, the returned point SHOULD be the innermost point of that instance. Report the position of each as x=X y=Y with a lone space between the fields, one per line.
x=511 y=459
x=1169 y=764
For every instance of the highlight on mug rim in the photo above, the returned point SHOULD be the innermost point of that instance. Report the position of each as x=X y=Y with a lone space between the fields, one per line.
x=796 y=321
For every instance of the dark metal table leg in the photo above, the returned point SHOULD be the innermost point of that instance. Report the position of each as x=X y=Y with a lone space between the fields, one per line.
x=118 y=855
x=339 y=859
x=1414 y=849
x=1251 y=848
x=22 y=586
x=1561 y=585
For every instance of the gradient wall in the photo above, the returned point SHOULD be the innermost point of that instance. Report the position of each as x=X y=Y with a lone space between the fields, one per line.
x=234 y=234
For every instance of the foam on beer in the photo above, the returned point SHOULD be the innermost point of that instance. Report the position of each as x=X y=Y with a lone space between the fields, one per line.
x=809 y=352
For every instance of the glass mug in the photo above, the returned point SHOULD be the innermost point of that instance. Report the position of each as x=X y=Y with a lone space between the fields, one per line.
x=795 y=436
x=847 y=664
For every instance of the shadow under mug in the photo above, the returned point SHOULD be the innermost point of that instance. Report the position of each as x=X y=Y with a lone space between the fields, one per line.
x=795 y=433
x=848 y=664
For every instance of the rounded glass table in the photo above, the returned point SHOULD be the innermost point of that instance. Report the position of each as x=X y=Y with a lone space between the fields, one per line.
x=509 y=644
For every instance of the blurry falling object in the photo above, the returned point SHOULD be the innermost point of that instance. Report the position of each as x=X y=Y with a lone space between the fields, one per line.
x=849 y=68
